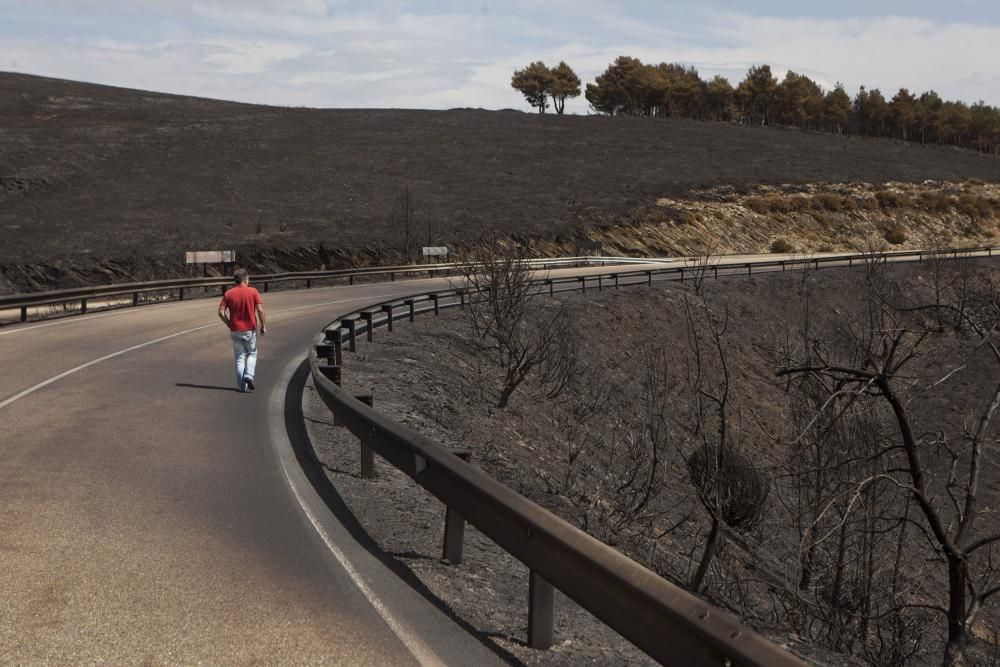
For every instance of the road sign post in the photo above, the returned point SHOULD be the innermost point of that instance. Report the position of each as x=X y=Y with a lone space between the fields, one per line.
x=206 y=257
x=435 y=251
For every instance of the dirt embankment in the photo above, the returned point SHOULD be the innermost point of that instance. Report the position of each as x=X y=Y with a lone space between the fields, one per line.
x=801 y=218
x=812 y=218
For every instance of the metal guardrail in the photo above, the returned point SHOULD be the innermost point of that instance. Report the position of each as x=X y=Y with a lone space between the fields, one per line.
x=666 y=622
x=182 y=286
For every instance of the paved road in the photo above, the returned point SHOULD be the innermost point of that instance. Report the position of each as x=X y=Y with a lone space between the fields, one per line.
x=150 y=512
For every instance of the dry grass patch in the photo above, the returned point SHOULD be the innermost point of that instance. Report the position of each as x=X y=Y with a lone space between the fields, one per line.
x=895 y=235
x=891 y=199
x=781 y=246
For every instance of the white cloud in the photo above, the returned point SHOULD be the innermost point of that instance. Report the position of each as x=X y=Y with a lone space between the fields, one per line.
x=322 y=53
x=236 y=56
x=890 y=52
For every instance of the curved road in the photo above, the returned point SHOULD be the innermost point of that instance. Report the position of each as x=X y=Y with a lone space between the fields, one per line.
x=150 y=512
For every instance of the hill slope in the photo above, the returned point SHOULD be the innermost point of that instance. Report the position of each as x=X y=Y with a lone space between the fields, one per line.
x=89 y=172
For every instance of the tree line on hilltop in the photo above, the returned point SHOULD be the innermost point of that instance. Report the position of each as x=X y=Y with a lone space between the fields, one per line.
x=629 y=87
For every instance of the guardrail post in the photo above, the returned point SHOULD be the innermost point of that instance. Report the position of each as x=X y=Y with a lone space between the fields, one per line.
x=180 y=294
x=412 y=303
x=309 y=283
x=350 y=279
x=616 y=281
x=434 y=298
x=682 y=274
x=367 y=453
x=83 y=306
x=600 y=283
x=369 y=333
x=454 y=524
x=649 y=278
x=541 y=611
x=583 y=282
x=392 y=277
x=387 y=308
x=328 y=352
x=24 y=313
x=716 y=272
x=749 y=269
x=266 y=285
x=135 y=299
x=352 y=333
x=552 y=289
x=461 y=295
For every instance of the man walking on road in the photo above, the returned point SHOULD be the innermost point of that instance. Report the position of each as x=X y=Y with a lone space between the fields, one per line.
x=245 y=308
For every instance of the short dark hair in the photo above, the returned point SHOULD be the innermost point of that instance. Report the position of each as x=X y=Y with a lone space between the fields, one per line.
x=241 y=276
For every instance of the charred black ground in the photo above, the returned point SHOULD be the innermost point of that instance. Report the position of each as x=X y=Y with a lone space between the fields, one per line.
x=424 y=376
x=99 y=182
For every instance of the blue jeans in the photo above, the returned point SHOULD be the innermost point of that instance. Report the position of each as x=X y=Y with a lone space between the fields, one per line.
x=245 y=351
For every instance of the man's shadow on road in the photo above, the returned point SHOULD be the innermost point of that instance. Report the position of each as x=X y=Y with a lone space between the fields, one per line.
x=204 y=386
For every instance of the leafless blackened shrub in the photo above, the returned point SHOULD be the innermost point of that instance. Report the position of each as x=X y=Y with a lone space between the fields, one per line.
x=704 y=265
x=887 y=363
x=897 y=636
x=732 y=492
x=581 y=426
x=728 y=481
x=851 y=593
x=630 y=460
x=560 y=369
x=959 y=297
x=514 y=336
x=403 y=220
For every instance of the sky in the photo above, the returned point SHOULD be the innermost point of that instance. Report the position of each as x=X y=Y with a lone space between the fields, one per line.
x=446 y=54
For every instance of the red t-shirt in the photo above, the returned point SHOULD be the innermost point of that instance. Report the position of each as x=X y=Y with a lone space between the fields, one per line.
x=241 y=302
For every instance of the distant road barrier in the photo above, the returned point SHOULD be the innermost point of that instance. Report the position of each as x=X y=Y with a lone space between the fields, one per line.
x=184 y=286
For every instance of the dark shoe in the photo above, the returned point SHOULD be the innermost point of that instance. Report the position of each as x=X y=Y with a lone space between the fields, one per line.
x=249 y=384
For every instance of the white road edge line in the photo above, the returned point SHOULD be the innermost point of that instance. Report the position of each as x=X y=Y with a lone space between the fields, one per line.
x=70 y=319
x=30 y=390
x=424 y=654
x=54 y=378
